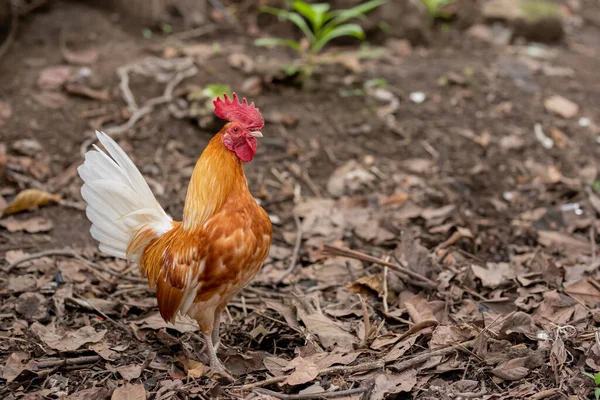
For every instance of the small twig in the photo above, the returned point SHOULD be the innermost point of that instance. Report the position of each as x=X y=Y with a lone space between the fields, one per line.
x=385 y=289
x=45 y=364
x=69 y=253
x=320 y=395
x=343 y=252
x=295 y=252
x=421 y=358
x=367 y=319
x=325 y=371
x=88 y=303
x=194 y=33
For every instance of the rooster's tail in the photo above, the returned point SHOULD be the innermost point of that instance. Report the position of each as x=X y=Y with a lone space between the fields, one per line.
x=124 y=213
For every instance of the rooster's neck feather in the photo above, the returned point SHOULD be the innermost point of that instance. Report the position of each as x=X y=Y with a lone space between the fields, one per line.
x=217 y=173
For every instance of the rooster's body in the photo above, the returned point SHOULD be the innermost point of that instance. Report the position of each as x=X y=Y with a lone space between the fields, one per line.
x=196 y=265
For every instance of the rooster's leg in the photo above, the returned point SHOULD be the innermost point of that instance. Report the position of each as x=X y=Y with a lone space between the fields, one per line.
x=216 y=337
x=215 y=363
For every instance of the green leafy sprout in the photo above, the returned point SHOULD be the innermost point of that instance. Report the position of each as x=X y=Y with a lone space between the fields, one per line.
x=596 y=379
x=325 y=24
x=435 y=8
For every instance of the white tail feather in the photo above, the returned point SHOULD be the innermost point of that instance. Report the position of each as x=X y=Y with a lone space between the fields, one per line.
x=119 y=201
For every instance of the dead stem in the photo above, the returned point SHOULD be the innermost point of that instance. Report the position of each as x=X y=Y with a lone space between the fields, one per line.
x=343 y=252
x=401 y=366
x=320 y=395
x=69 y=253
x=295 y=252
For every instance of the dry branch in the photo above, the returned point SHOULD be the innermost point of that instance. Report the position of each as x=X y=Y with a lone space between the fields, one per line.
x=343 y=252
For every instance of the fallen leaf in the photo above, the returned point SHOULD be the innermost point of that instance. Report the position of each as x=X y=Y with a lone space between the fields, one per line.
x=561 y=106
x=563 y=242
x=326 y=360
x=367 y=285
x=154 y=321
x=90 y=394
x=242 y=62
x=129 y=392
x=31 y=225
x=329 y=332
x=32 y=306
x=445 y=335
x=494 y=274
x=80 y=57
x=275 y=365
x=304 y=371
x=584 y=292
x=394 y=201
x=103 y=351
x=519 y=322
x=54 y=77
x=6 y=112
x=21 y=283
x=511 y=370
x=67 y=341
x=130 y=372
x=15 y=364
x=30 y=198
x=349 y=178
x=393 y=383
x=418 y=309
x=195 y=369
x=558 y=354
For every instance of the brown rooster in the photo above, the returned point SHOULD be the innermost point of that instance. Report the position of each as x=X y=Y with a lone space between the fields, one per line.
x=196 y=265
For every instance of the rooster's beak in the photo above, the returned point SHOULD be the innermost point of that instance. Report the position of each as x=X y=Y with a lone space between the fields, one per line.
x=256 y=134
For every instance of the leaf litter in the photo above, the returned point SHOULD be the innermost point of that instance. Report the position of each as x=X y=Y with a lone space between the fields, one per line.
x=453 y=286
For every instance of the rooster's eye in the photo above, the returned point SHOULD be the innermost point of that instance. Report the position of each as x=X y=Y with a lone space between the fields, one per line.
x=236 y=129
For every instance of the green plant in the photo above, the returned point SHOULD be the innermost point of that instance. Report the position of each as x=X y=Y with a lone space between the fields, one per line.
x=325 y=25
x=435 y=8
x=596 y=379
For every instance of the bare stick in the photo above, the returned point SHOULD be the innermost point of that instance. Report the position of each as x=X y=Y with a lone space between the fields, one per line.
x=45 y=364
x=69 y=253
x=320 y=395
x=421 y=358
x=343 y=252
x=295 y=252
x=401 y=366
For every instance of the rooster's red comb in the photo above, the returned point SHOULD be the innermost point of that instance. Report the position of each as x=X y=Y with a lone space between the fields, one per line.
x=234 y=111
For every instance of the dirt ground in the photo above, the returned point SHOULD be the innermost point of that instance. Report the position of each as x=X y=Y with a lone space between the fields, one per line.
x=486 y=191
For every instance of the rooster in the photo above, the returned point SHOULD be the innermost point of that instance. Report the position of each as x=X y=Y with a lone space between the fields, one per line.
x=198 y=264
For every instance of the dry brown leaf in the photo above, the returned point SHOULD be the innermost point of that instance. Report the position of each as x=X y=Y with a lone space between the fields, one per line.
x=393 y=383
x=32 y=306
x=558 y=354
x=329 y=332
x=31 y=225
x=563 y=242
x=511 y=370
x=418 y=309
x=368 y=285
x=519 y=322
x=14 y=366
x=130 y=372
x=30 y=198
x=129 y=392
x=195 y=369
x=90 y=394
x=584 y=292
x=103 y=351
x=394 y=201
x=154 y=321
x=67 y=341
x=326 y=360
x=446 y=335
x=304 y=371
x=275 y=365
x=494 y=275
x=21 y=283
